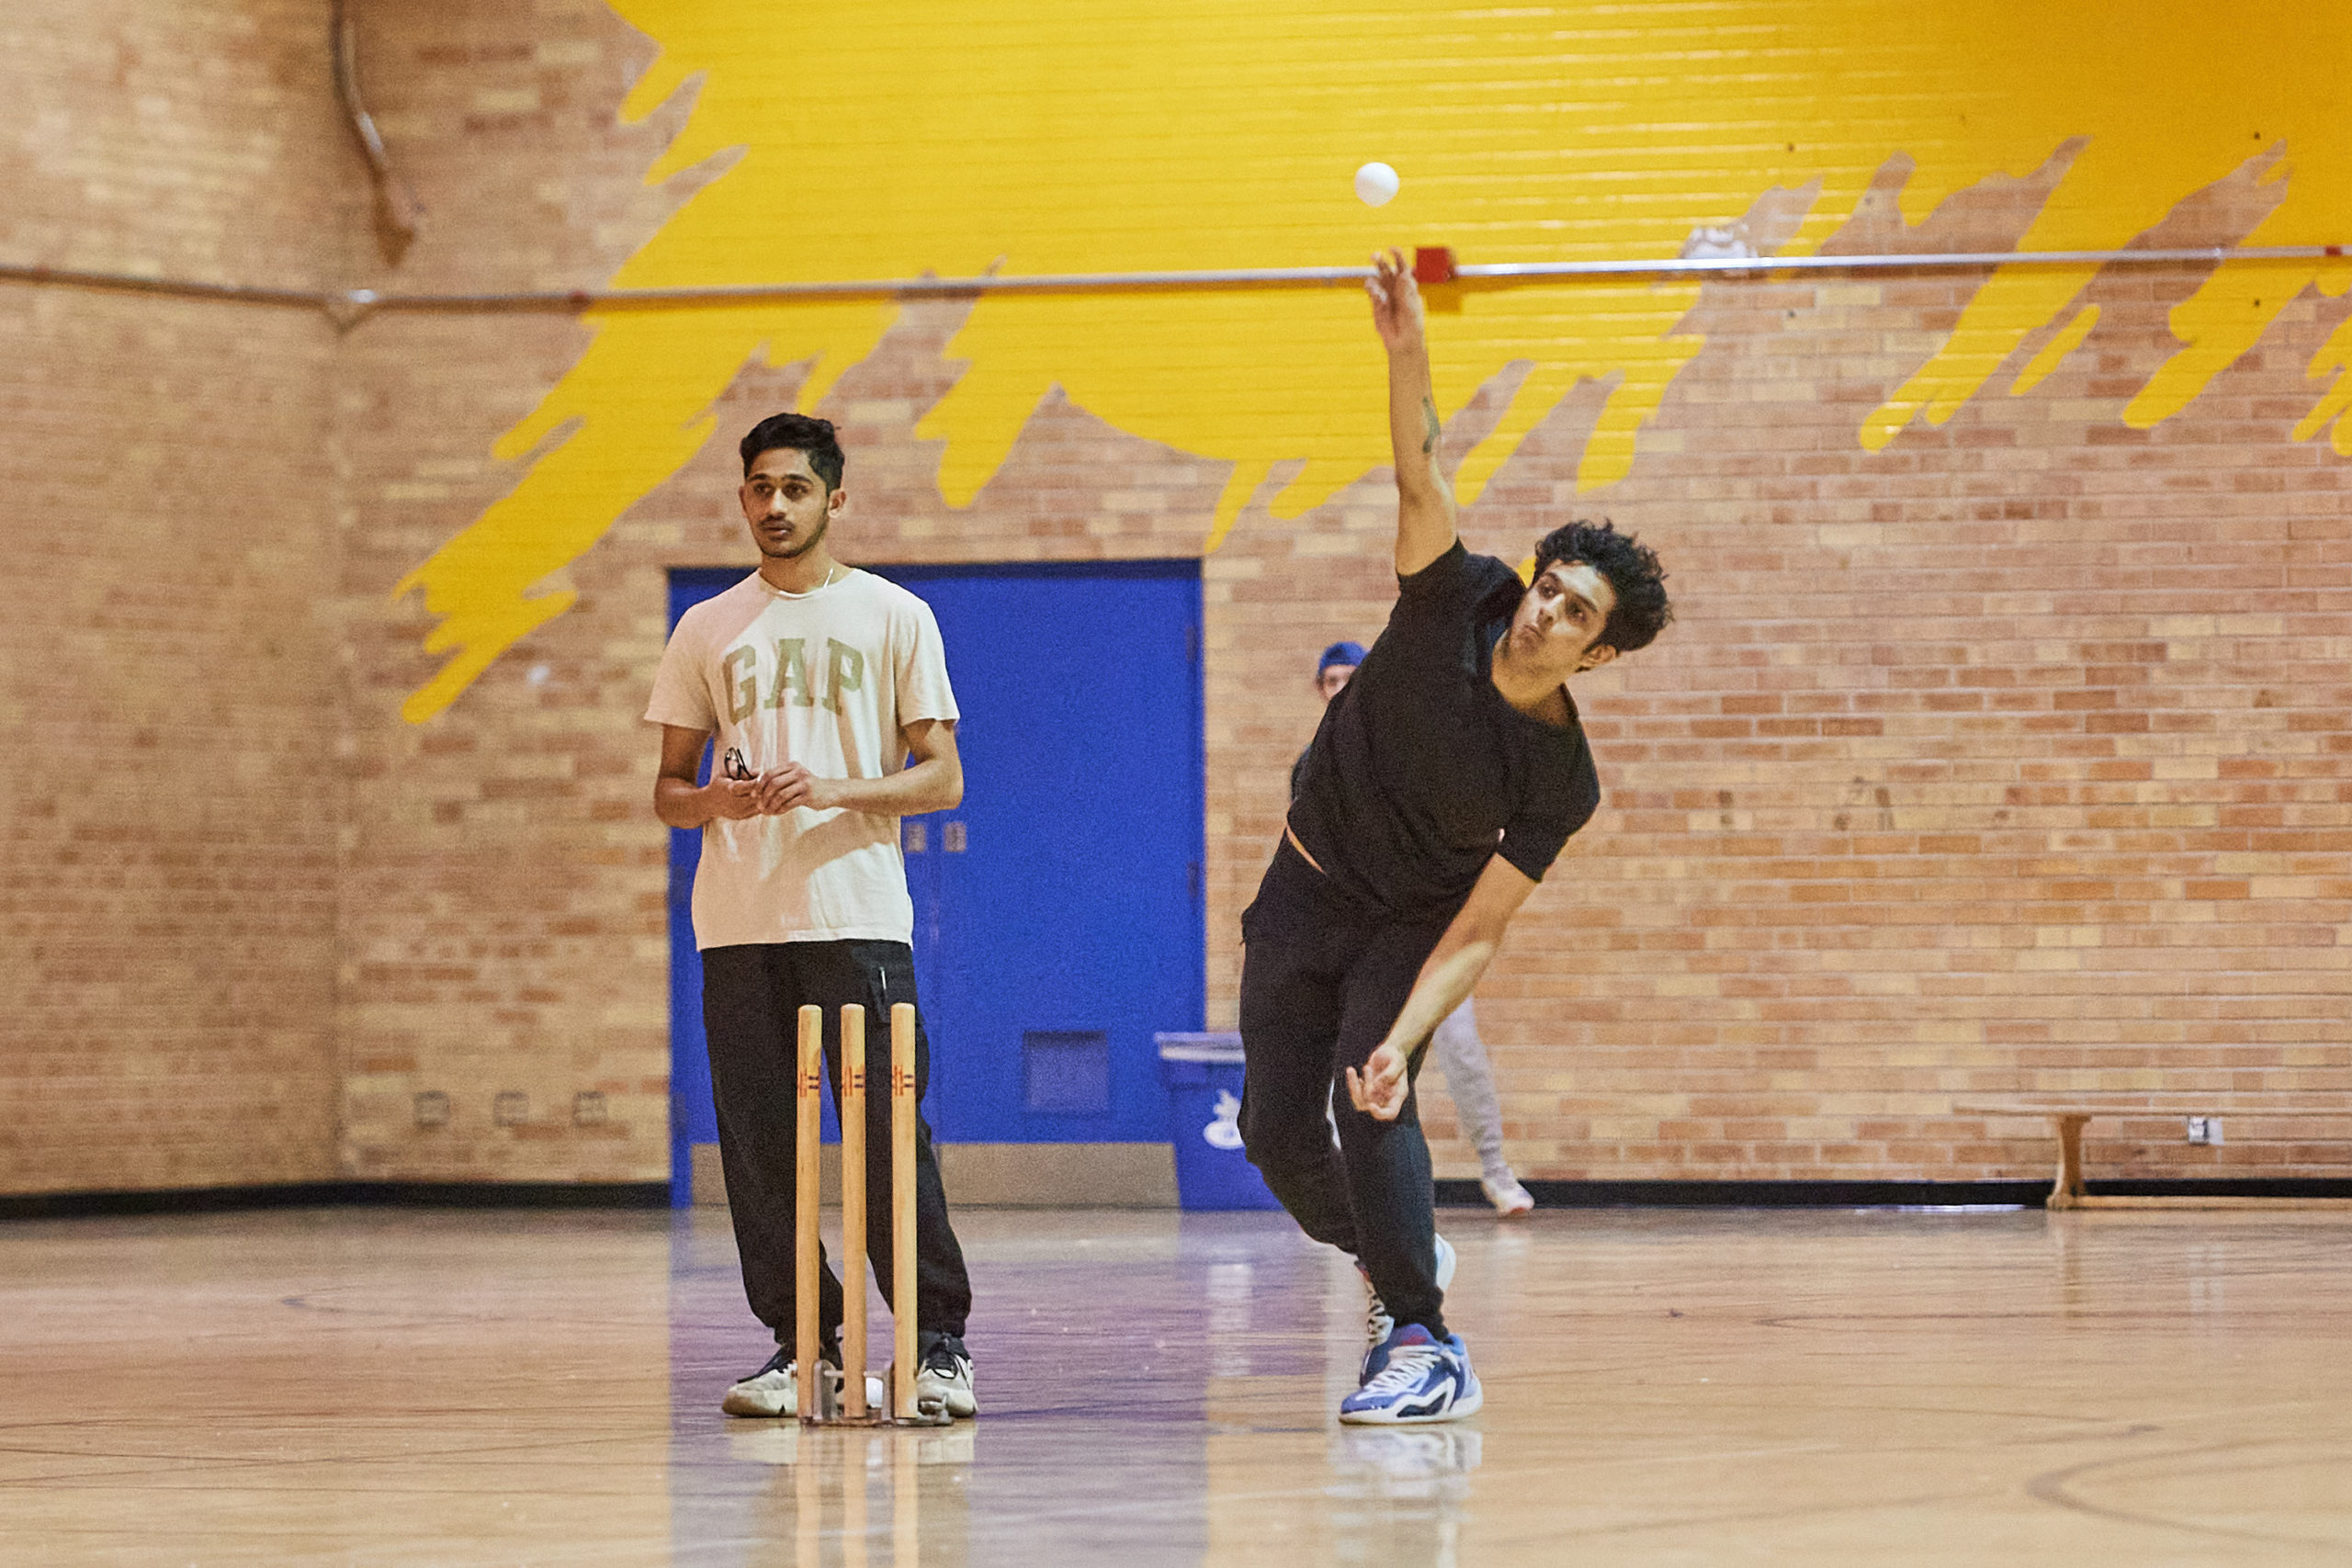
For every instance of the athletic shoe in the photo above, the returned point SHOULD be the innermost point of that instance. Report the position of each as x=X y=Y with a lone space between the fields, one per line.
x=774 y=1389
x=943 y=1375
x=1423 y=1379
x=1506 y=1194
x=1377 y=1325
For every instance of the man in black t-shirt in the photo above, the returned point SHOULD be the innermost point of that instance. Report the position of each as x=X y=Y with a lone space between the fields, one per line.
x=1442 y=782
x=1460 y=1053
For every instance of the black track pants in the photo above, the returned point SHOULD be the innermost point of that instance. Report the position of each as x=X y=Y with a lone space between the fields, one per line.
x=1321 y=981
x=751 y=998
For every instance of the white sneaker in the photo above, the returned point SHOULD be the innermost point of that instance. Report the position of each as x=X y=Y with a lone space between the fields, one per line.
x=944 y=1377
x=1377 y=1325
x=774 y=1389
x=1506 y=1194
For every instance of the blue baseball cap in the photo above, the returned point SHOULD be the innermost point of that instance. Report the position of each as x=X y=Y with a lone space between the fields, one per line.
x=1348 y=653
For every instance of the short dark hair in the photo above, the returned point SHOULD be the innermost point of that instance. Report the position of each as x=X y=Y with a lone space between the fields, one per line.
x=800 y=433
x=1631 y=569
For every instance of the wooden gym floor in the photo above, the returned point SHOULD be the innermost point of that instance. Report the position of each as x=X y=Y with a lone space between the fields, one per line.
x=363 y=1387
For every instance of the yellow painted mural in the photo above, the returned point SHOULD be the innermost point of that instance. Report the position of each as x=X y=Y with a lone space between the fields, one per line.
x=894 y=138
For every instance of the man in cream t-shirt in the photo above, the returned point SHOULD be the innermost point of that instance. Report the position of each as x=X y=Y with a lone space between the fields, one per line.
x=825 y=690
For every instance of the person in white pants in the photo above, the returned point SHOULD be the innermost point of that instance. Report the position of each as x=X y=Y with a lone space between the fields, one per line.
x=1469 y=1077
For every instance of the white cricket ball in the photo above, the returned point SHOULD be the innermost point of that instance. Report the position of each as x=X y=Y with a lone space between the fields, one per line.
x=1377 y=184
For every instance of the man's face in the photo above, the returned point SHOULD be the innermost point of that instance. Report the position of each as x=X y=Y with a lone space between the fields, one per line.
x=1560 y=616
x=786 y=504
x=1333 y=680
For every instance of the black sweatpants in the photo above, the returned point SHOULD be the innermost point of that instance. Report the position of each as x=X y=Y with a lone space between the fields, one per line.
x=751 y=998
x=1322 y=979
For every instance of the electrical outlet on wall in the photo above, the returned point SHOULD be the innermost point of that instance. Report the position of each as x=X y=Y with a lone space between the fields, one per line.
x=2204 y=1129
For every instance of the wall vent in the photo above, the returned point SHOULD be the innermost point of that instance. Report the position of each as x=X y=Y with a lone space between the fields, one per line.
x=1066 y=1072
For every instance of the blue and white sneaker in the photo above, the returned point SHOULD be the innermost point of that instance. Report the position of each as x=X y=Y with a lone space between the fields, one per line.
x=1423 y=1379
x=1378 y=1326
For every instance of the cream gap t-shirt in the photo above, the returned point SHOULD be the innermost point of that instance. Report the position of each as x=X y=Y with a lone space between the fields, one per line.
x=827 y=678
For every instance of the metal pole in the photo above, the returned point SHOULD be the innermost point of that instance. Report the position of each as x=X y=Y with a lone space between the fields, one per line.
x=348 y=305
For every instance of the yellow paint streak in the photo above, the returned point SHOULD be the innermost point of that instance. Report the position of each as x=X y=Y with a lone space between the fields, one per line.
x=2012 y=303
x=2062 y=342
x=635 y=405
x=2217 y=324
x=892 y=138
x=2334 y=357
x=2168 y=101
x=1536 y=395
x=1650 y=366
x=1239 y=489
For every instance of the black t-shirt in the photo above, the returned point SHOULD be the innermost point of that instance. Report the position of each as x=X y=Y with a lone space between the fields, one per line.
x=1422 y=772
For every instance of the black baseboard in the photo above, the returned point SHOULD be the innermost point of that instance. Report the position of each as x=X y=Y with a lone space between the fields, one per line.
x=1464 y=1194
x=1450 y=1194
x=341 y=1195
x=2225 y=1187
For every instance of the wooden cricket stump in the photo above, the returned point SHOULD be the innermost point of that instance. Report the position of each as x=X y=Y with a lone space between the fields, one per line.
x=814 y=1394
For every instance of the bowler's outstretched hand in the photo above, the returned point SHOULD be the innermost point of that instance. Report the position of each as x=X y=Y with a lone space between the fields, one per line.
x=1395 y=300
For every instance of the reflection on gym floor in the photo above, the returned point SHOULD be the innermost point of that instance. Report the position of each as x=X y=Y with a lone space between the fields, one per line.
x=385 y=1388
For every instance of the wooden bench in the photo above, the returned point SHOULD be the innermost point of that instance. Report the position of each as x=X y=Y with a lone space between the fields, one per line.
x=2069 y=1114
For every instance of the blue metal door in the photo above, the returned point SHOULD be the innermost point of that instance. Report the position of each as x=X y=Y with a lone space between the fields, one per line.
x=1058 y=917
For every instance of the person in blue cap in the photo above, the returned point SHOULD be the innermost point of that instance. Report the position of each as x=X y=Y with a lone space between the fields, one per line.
x=1469 y=1077
x=1444 y=779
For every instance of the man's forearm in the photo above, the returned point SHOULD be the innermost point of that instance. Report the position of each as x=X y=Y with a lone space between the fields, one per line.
x=933 y=785
x=1447 y=978
x=681 y=803
x=1414 y=428
x=1426 y=521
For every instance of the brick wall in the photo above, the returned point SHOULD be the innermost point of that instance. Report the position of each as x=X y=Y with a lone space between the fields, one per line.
x=502 y=932
x=2009 y=757
x=170 y=680
x=2012 y=755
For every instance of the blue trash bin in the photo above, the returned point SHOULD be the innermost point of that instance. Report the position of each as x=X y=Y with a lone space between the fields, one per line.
x=1203 y=1073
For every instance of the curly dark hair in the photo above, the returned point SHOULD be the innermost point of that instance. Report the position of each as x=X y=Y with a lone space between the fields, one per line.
x=1631 y=567
x=797 y=433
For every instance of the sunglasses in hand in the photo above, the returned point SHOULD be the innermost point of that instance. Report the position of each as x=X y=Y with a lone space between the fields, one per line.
x=733 y=766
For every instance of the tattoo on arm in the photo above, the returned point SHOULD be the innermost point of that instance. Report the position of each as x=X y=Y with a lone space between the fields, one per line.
x=1432 y=428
